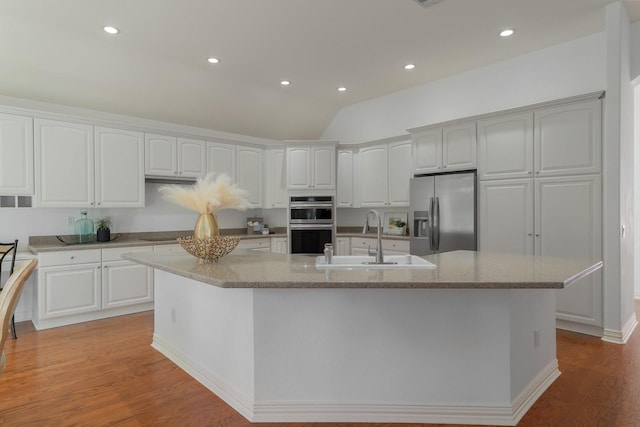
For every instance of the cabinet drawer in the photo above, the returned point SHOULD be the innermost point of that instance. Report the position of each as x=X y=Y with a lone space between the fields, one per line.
x=361 y=242
x=395 y=245
x=69 y=257
x=259 y=243
x=115 y=254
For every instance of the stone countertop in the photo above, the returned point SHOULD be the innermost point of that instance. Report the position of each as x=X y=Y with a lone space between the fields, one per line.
x=51 y=244
x=455 y=270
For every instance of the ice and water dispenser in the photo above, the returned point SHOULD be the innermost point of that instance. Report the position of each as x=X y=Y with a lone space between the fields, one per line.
x=421 y=224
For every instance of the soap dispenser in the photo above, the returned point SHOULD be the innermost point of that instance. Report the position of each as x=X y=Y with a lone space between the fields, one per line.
x=84 y=229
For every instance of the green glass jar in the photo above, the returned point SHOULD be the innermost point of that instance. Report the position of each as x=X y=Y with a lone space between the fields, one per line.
x=84 y=229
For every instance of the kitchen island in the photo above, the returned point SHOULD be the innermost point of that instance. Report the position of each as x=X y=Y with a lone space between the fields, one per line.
x=472 y=341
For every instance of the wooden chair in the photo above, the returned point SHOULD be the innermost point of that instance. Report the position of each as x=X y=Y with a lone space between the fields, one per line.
x=9 y=250
x=9 y=299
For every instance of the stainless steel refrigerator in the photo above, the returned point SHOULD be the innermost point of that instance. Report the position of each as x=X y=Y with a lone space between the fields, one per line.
x=442 y=215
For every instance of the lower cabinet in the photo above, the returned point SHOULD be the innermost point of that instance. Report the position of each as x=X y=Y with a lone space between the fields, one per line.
x=259 y=244
x=82 y=285
x=342 y=246
x=361 y=245
x=279 y=245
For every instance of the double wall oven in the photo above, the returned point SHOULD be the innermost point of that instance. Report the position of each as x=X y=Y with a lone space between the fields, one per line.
x=311 y=223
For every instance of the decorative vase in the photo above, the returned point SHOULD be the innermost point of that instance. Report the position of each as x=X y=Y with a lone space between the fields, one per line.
x=206 y=227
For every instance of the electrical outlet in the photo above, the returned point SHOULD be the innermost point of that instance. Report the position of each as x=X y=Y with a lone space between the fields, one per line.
x=71 y=220
x=173 y=315
x=536 y=338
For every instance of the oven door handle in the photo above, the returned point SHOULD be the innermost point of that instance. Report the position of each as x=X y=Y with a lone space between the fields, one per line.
x=311 y=226
x=295 y=205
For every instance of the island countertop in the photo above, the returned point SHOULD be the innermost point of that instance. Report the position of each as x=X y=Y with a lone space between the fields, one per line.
x=455 y=270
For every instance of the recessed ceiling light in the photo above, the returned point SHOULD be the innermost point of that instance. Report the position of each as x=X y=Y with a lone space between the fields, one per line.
x=409 y=66
x=285 y=82
x=342 y=89
x=111 y=30
x=506 y=32
x=213 y=60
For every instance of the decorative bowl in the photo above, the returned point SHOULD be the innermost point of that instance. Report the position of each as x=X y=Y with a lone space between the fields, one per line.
x=211 y=248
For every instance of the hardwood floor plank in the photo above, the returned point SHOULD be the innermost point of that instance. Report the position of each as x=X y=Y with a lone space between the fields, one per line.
x=105 y=373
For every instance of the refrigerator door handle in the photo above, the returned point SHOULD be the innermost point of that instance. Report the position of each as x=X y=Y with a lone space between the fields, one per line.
x=431 y=223
x=436 y=236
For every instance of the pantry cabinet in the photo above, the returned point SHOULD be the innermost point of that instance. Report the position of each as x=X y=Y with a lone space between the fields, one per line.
x=174 y=157
x=444 y=149
x=311 y=167
x=249 y=170
x=16 y=155
x=384 y=175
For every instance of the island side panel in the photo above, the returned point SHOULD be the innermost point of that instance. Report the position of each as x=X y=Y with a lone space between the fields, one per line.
x=208 y=332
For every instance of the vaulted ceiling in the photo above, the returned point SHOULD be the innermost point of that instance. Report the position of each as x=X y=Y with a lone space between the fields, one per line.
x=156 y=67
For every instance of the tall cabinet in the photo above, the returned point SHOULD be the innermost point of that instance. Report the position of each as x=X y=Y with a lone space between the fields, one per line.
x=16 y=155
x=540 y=193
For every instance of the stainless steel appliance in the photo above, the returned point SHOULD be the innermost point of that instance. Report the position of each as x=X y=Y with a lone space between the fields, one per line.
x=311 y=223
x=442 y=214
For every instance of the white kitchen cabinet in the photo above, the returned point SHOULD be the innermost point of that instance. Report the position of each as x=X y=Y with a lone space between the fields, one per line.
x=119 y=168
x=124 y=282
x=505 y=147
x=256 y=243
x=505 y=216
x=342 y=246
x=311 y=167
x=568 y=223
x=279 y=245
x=174 y=157
x=361 y=245
x=221 y=158
x=88 y=284
x=64 y=164
x=16 y=155
x=69 y=283
x=395 y=247
x=249 y=170
x=568 y=139
x=444 y=149
x=383 y=175
x=276 y=179
x=345 y=179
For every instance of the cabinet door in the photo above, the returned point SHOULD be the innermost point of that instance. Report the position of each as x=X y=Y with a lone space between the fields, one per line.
x=427 y=151
x=299 y=168
x=126 y=283
x=64 y=163
x=373 y=177
x=221 y=158
x=505 y=216
x=505 y=147
x=192 y=159
x=279 y=245
x=343 y=246
x=459 y=146
x=345 y=179
x=323 y=168
x=161 y=155
x=399 y=154
x=119 y=168
x=568 y=224
x=69 y=289
x=568 y=139
x=276 y=195
x=16 y=155
x=250 y=173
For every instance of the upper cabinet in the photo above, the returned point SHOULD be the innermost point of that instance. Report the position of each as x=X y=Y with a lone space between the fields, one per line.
x=345 y=181
x=311 y=166
x=554 y=141
x=79 y=166
x=175 y=157
x=249 y=170
x=64 y=164
x=383 y=174
x=119 y=168
x=275 y=179
x=16 y=155
x=444 y=149
x=221 y=158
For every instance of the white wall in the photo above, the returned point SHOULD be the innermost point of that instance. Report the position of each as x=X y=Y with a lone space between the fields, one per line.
x=568 y=69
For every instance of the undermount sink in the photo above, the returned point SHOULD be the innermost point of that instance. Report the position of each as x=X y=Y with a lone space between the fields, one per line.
x=368 y=262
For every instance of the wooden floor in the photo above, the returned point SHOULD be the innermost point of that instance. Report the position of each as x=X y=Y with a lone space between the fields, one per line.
x=105 y=373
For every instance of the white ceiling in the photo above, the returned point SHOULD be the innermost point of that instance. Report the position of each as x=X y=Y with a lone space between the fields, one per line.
x=56 y=51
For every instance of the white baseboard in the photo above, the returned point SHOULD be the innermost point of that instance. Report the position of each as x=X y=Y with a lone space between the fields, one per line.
x=621 y=337
x=280 y=412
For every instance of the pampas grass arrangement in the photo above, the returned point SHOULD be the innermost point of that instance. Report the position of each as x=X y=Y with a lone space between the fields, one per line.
x=208 y=195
